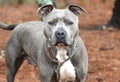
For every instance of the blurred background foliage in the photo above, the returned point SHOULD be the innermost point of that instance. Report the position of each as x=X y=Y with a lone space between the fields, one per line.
x=11 y=2
x=63 y=2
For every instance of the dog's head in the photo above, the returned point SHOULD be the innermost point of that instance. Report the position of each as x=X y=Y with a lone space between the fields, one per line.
x=61 y=24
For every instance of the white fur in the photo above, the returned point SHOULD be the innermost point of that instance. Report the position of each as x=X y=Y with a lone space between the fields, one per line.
x=67 y=70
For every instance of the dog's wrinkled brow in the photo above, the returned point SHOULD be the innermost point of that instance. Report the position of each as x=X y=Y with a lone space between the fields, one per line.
x=68 y=21
x=55 y=20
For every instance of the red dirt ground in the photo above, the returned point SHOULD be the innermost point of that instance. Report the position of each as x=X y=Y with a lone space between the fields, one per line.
x=103 y=46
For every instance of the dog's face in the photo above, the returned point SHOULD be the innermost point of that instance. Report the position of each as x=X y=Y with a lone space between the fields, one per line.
x=61 y=24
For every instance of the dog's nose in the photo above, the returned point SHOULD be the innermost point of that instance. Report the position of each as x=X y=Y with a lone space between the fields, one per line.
x=60 y=35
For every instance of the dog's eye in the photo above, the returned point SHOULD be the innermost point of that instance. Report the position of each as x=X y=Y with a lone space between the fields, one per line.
x=68 y=22
x=51 y=23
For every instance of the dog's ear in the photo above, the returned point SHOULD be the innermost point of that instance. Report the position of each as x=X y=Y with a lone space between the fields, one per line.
x=46 y=9
x=76 y=9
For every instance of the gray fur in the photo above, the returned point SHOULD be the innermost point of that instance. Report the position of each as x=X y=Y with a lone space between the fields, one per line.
x=31 y=39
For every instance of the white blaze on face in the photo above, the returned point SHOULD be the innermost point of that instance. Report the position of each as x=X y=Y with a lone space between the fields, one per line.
x=67 y=70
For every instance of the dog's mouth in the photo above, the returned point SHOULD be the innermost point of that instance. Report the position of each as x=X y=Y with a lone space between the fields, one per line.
x=61 y=46
x=61 y=43
x=61 y=40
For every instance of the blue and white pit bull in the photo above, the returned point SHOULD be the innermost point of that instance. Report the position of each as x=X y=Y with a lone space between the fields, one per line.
x=54 y=46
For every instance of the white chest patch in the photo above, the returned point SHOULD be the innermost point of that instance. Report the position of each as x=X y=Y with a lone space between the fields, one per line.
x=67 y=70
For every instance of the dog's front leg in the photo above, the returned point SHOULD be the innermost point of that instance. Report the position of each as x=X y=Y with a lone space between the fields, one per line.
x=80 y=76
x=46 y=77
x=45 y=72
x=45 y=80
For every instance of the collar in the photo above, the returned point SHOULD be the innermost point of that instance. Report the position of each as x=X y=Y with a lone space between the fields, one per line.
x=52 y=52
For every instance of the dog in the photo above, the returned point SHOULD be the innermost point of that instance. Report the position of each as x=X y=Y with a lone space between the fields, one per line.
x=38 y=42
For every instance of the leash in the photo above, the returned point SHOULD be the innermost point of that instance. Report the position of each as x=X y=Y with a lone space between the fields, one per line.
x=57 y=70
x=54 y=59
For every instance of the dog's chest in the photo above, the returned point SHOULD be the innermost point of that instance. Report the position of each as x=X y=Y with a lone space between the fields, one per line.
x=67 y=72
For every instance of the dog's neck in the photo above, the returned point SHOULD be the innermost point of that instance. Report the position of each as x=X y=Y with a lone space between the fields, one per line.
x=53 y=50
x=61 y=54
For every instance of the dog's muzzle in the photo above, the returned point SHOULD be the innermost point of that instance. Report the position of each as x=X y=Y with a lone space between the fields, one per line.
x=60 y=35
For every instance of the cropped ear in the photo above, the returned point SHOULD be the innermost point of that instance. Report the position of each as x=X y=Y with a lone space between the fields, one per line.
x=76 y=9
x=46 y=9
